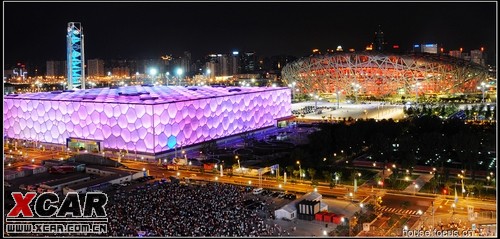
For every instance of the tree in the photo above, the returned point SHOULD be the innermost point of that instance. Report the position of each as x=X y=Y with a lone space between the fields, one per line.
x=480 y=111
x=311 y=172
x=314 y=183
x=433 y=182
x=327 y=176
x=289 y=169
x=443 y=111
x=478 y=186
x=488 y=113
x=296 y=173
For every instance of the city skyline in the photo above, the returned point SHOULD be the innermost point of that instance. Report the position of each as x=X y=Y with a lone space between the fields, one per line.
x=132 y=30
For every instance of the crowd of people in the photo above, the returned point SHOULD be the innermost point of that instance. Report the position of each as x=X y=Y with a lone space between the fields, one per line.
x=173 y=209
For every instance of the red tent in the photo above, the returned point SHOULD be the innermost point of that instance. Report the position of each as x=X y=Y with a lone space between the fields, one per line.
x=328 y=217
x=319 y=216
x=337 y=219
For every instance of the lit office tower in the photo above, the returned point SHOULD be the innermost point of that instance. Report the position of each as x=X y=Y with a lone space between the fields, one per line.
x=248 y=62
x=478 y=57
x=186 y=62
x=95 y=68
x=56 y=69
x=234 y=63
x=75 y=56
x=455 y=53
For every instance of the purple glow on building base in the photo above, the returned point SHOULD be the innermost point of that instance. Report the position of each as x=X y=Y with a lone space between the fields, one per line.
x=143 y=119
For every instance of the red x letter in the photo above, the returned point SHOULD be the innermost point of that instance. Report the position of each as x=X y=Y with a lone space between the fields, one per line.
x=22 y=204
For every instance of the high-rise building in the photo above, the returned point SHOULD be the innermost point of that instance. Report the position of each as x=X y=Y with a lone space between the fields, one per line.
x=455 y=53
x=95 y=68
x=122 y=71
x=248 y=62
x=223 y=64
x=234 y=63
x=186 y=63
x=478 y=57
x=56 y=69
x=75 y=56
x=426 y=48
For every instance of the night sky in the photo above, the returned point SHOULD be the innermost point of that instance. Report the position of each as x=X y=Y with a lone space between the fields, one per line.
x=35 y=32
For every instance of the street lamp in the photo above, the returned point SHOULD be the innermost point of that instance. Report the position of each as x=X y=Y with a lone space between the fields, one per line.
x=64 y=85
x=316 y=97
x=417 y=86
x=179 y=73
x=482 y=87
x=153 y=72
x=166 y=76
x=338 y=99
x=356 y=87
x=239 y=165
x=208 y=73
x=300 y=170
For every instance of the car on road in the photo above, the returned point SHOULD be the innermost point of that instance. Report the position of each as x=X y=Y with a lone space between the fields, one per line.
x=257 y=191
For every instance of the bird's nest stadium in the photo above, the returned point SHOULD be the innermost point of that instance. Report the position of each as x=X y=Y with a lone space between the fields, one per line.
x=383 y=75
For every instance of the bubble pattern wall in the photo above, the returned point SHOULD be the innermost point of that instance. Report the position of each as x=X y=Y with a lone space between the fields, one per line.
x=143 y=119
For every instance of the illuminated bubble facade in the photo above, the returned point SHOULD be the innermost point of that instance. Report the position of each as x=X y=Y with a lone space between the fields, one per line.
x=376 y=74
x=146 y=119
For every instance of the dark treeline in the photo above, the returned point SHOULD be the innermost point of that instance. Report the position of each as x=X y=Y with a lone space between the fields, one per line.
x=426 y=140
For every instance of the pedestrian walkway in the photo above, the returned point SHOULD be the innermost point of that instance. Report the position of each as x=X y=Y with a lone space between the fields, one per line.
x=396 y=210
x=420 y=182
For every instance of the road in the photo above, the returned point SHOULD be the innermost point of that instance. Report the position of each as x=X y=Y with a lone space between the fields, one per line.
x=391 y=199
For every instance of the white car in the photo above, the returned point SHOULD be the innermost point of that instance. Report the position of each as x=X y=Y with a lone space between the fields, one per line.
x=258 y=191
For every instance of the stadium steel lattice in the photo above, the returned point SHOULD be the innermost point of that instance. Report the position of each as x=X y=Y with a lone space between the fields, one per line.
x=375 y=74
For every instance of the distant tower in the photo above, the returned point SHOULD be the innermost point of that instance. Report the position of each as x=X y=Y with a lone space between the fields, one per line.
x=379 y=40
x=75 y=56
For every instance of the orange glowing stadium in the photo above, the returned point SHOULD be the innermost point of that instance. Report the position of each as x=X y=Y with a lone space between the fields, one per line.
x=382 y=75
